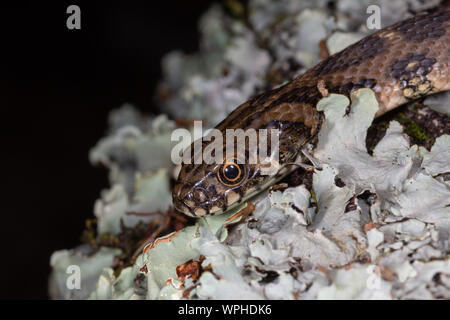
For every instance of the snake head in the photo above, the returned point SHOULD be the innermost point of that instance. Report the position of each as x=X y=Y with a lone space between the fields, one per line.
x=209 y=189
x=213 y=187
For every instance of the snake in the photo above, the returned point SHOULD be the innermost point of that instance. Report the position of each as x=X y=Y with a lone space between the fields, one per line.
x=400 y=63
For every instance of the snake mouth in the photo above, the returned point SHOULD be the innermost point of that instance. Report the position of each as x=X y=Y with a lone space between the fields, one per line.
x=183 y=207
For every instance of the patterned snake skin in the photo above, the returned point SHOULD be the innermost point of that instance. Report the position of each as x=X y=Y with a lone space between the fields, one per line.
x=400 y=63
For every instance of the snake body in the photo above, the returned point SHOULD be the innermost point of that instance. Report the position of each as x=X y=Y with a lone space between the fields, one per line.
x=400 y=63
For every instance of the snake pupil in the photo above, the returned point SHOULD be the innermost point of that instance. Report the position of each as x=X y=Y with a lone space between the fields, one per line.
x=231 y=172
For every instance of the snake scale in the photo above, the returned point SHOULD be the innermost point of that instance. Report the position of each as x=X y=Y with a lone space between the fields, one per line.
x=400 y=63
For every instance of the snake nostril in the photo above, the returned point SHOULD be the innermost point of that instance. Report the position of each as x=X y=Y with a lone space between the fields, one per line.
x=184 y=191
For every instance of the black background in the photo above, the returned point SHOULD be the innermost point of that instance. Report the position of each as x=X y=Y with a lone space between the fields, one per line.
x=57 y=86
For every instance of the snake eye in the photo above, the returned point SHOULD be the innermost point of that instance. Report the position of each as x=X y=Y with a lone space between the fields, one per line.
x=231 y=174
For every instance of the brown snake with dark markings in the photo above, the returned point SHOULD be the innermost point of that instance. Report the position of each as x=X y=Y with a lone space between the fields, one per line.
x=400 y=63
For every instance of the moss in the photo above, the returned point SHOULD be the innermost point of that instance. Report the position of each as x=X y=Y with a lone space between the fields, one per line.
x=315 y=202
x=236 y=8
x=420 y=123
x=89 y=235
x=412 y=128
x=109 y=240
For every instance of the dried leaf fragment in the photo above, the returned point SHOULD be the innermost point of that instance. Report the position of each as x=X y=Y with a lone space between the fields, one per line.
x=190 y=268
